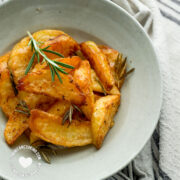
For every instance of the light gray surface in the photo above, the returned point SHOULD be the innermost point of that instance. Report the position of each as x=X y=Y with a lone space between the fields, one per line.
x=141 y=96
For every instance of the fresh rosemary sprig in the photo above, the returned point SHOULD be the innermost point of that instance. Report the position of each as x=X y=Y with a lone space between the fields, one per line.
x=22 y=108
x=69 y=113
x=120 y=69
x=53 y=64
x=45 y=149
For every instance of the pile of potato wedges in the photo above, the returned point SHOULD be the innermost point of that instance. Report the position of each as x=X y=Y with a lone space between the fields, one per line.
x=93 y=86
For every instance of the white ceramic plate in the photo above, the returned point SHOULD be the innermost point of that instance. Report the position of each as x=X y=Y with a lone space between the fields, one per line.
x=103 y=22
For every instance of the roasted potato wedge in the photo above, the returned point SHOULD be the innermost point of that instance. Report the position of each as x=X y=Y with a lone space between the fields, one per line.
x=49 y=127
x=37 y=101
x=97 y=86
x=21 y=53
x=117 y=64
x=63 y=44
x=111 y=55
x=59 y=108
x=102 y=117
x=67 y=90
x=82 y=76
x=16 y=125
x=99 y=63
x=8 y=100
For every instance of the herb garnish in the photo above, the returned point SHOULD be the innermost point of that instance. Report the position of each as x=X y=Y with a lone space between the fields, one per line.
x=53 y=64
x=120 y=69
x=22 y=108
x=69 y=113
x=45 y=149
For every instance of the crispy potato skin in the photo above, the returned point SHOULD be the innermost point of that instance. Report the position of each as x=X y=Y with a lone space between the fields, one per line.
x=63 y=44
x=98 y=88
x=49 y=128
x=59 y=108
x=99 y=63
x=40 y=82
x=8 y=100
x=111 y=55
x=82 y=76
x=104 y=111
x=16 y=125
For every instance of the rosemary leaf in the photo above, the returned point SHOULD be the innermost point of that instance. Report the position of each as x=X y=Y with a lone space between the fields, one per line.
x=38 y=58
x=77 y=108
x=32 y=46
x=61 y=70
x=52 y=72
x=65 y=117
x=64 y=65
x=29 y=43
x=22 y=108
x=59 y=77
x=45 y=157
x=30 y=64
x=23 y=103
x=130 y=71
x=46 y=48
x=70 y=114
x=21 y=111
x=54 y=66
x=52 y=52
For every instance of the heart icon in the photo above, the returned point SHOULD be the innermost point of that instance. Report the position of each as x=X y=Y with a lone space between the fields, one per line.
x=25 y=162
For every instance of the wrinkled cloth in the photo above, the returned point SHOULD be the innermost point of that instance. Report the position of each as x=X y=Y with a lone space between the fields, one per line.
x=160 y=158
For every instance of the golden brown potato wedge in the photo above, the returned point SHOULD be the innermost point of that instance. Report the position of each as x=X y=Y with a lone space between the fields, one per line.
x=17 y=122
x=59 y=108
x=16 y=125
x=63 y=44
x=111 y=55
x=8 y=100
x=97 y=86
x=115 y=60
x=49 y=128
x=99 y=63
x=37 y=101
x=40 y=82
x=21 y=53
x=82 y=76
x=104 y=111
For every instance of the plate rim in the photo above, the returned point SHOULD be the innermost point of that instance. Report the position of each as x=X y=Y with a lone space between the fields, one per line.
x=105 y=175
